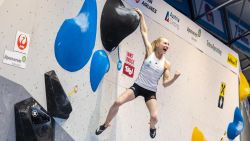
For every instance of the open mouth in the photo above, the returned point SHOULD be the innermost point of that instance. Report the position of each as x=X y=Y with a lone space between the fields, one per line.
x=165 y=49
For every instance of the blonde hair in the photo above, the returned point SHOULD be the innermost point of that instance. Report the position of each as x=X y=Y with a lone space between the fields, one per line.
x=156 y=41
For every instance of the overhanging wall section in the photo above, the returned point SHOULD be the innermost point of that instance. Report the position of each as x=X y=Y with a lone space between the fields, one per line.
x=42 y=20
x=192 y=101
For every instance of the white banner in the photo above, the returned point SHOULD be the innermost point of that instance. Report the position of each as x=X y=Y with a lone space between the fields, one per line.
x=14 y=59
x=183 y=27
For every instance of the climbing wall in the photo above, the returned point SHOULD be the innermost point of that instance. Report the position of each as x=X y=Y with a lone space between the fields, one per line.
x=42 y=20
x=192 y=101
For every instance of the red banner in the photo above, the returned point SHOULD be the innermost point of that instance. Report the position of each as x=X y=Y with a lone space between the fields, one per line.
x=128 y=70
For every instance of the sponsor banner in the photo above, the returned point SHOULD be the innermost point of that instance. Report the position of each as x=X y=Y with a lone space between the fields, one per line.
x=214 y=48
x=232 y=60
x=128 y=70
x=147 y=4
x=194 y=35
x=160 y=12
x=171 y=19
x=128 y=67
x=22 y=42
x=15 y=59
x=130 y=58
x=220 y=52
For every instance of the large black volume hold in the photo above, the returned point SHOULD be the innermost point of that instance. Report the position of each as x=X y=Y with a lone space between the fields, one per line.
x=32 y=122
x=58 y=104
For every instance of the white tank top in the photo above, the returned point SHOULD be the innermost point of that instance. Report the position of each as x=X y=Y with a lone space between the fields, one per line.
x=150 y=73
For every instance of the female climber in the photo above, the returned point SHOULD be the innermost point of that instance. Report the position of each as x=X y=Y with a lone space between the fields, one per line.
x=154 y=66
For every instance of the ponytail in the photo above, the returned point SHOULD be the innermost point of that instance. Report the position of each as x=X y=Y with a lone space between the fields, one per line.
x=153 y=44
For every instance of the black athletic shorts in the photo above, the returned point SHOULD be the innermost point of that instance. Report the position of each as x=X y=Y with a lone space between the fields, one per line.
x=139 y=91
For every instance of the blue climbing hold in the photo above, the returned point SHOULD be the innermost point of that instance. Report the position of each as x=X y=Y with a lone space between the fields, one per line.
x=237 y=126
x=75 y=39
x=98 y=68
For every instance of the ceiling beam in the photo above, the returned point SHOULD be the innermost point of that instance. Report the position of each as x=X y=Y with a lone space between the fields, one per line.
x=239 y=37
x=224 y=4
x=191 y=9
x=245 y=68
x=227 y=27
x=242 y=9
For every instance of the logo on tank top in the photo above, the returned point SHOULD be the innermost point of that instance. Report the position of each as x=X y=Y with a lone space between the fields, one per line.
x=148 y=63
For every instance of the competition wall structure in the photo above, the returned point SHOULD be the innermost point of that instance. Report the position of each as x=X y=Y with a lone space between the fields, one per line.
x=42 y=20
x=204 y=63
x=192 y=100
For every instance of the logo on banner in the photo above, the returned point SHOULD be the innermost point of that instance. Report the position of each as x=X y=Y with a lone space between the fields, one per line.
x=232 y=60
x=222 y=94
x=214 y=48
x=22 y=42
x=15 y=59
x=137 y=1
x=195 y=34
x=148 y=5
x=172 y=19
x=128 y=68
